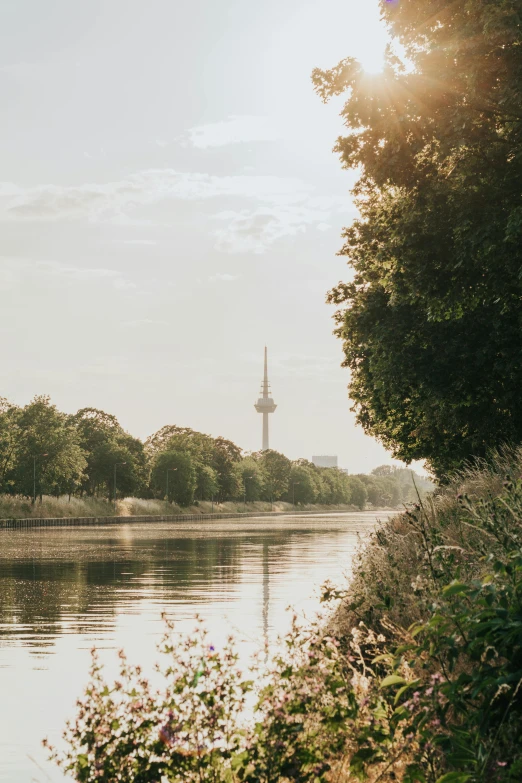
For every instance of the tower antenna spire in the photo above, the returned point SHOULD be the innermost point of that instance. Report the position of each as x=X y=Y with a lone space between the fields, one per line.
x=265 y=404
x=265 y=377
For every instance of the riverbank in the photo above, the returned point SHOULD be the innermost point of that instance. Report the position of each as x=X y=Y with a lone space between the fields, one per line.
x=431 y=620
x=417 y=679
x=63 y=508
x=35 y=522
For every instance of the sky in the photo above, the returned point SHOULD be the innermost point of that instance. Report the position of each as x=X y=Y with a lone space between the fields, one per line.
x=169 y=205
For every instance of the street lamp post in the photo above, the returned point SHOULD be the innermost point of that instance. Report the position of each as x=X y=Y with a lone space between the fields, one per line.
x=116 y=464
x=244 y=487
x=35 y=457
x=168 y=471
x=293 y=492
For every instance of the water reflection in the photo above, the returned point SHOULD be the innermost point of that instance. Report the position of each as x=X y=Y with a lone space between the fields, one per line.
x=94 y=577
x=63 y=589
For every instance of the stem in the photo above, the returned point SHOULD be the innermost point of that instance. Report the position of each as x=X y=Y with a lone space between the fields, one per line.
x=488 y=755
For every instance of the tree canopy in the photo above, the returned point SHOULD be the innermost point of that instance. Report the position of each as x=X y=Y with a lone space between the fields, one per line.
x=44 y=451
x=218 y=454
x=173 y=476
x=431 y=319
x=46 y=457
x=106 y=445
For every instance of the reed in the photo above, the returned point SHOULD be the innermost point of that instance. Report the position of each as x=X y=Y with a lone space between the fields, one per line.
x=16 y=507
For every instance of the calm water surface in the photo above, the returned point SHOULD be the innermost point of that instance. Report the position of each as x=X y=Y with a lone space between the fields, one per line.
x=64 y=590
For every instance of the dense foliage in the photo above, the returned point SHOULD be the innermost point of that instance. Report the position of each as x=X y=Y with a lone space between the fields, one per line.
x=432 y=316
x=89 y=455
x=419 y=680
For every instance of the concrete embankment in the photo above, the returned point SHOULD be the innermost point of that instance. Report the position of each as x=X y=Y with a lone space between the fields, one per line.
x=117 y=520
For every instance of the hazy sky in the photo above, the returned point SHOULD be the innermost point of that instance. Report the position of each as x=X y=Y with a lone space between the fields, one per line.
x=170 y=203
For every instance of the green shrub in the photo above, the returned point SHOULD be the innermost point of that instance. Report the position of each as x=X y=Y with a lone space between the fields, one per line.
x=420 y=681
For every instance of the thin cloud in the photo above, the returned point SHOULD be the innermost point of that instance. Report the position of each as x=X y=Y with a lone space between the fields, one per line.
x=15 y=272
x=259 y=209
x=101 y=202
x=256 y=231
x=236 y=129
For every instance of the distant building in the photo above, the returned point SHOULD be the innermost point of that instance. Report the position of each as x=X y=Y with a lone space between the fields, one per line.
x=325 y=461
x=265 y=404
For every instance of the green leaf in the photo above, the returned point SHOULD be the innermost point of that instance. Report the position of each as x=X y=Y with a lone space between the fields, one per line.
x=83 y=761
x=454 y=589
x=384 y=657
x=454 y=777
x=404 y=689
x=239 y=760
x=393 y=679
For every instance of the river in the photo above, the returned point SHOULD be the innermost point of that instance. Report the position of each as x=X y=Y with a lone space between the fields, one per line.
x=63 y=590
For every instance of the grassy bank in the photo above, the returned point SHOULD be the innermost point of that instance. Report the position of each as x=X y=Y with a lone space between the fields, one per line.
x=432 y=618
x=21 y=508
x=417 y=678
x=408 y=561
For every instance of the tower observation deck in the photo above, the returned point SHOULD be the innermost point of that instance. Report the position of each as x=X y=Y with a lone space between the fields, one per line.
x=265 y=404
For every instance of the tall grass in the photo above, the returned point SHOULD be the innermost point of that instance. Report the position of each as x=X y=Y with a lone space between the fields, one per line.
x=22 y=508
x=394 y=579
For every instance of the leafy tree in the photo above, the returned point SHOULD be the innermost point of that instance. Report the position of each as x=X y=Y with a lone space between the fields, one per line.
x=432 y=317
x=197 y=444
x=383 y=470
x=335 y=486
x=206 y=482
x=98 y=434
x=358 y=494
x=181 y=477
x=48 y=456
x=250 y=479
x=381 y=491
x=106 y=445
x=9 y=436
x=276 y=473
x=218 y=453
x=301 y=485
x=226 y=456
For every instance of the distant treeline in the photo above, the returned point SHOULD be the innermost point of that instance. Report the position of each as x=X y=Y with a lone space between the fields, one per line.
x=46 y=452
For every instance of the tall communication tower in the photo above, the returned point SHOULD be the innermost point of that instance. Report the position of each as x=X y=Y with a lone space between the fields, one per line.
x=265 y=404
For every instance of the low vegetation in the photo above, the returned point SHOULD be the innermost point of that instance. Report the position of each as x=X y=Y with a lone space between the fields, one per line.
x=49 y=508
x=417 y=678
